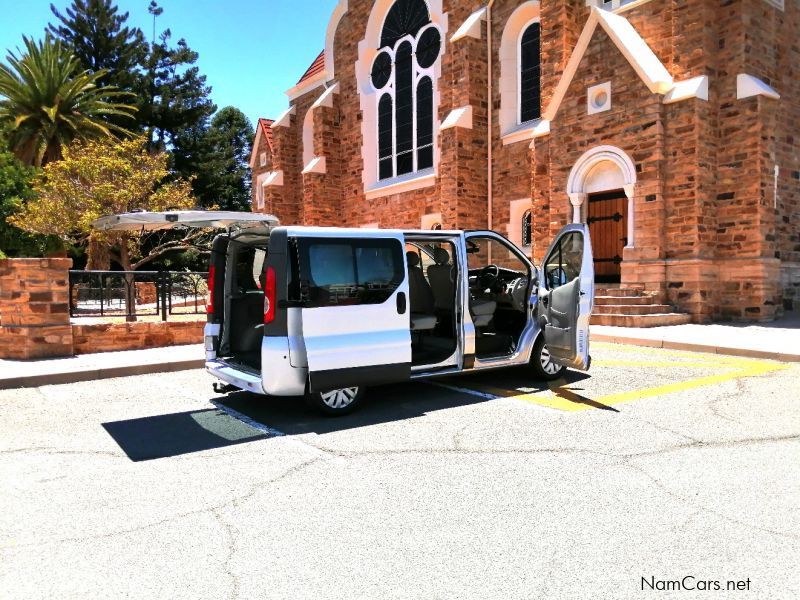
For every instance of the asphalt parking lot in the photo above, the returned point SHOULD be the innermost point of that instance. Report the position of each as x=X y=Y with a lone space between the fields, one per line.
x=657 y=464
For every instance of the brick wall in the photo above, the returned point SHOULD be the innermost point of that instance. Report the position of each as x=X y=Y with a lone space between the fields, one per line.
x=111 y=337
x=705 y=203
x=35 y=322
x=34 y=310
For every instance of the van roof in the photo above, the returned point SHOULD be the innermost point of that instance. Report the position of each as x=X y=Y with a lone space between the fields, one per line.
x=303 y=230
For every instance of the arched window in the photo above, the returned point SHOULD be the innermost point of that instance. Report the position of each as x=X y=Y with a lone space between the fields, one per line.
x=436 y=227
x=530 y=77
x=526 y=228
x=402 y=74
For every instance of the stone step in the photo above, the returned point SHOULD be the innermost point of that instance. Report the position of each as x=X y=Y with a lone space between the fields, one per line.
x=624 y=300
x=632 y=309
x=654 y=320
x=618 y=292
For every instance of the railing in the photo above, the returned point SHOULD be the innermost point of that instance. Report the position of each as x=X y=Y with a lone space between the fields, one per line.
x=132 y=294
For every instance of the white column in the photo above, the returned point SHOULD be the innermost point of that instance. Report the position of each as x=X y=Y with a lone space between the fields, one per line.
x=577 y=199
x=629 y=189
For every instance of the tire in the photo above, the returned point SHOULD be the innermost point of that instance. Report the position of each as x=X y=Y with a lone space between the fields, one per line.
x=336 y=402
x=540 y=362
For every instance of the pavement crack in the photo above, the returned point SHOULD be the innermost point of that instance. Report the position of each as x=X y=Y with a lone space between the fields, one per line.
x=208 y=510
x=232 y=539
x=722 y=444
x=702 y=508
x=58 y=451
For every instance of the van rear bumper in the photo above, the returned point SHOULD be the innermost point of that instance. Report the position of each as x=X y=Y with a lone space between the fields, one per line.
x=241 y=379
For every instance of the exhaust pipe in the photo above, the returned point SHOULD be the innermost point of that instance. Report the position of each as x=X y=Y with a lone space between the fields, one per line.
x=223 y=388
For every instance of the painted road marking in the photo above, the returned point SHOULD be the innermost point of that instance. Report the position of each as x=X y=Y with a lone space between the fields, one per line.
x=560 y=397
x=246 y=420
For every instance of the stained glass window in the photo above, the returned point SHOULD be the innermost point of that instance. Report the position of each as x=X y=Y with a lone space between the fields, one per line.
x=530 y=74
x=410 y=45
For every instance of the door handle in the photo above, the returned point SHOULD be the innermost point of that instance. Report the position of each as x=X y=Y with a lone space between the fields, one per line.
x=401 y=303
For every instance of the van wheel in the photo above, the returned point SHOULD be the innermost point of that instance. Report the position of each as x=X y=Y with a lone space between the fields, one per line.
x=542 y=365
x=337 y=402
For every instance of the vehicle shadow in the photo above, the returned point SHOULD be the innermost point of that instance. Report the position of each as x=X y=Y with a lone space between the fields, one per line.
x=383 y=404
x=162 y=436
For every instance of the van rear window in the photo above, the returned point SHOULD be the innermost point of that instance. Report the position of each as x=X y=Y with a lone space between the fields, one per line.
x=346 y=272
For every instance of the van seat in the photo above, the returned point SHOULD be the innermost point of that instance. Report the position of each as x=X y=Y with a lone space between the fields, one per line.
x=420 y=295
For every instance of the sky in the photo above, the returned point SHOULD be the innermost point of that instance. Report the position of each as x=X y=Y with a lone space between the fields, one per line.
x=251 y=51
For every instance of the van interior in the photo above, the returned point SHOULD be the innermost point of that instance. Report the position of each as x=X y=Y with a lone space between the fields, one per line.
x=242 y=326
x=432 y=278
x=499 y=283
x=499 y=289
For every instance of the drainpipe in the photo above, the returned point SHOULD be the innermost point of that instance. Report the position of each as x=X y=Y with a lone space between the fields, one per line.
x=490 y=103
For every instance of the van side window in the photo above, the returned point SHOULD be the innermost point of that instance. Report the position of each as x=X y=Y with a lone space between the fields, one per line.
x=345 y=272
x=563 y=264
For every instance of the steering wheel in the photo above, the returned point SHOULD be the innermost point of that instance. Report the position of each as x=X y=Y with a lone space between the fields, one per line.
x=488 y=276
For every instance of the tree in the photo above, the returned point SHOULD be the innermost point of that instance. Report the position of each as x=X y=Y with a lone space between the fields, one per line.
x=96 y=33
x=48 y=101
x=16 y=188
x=103 y=177
x=218 y=157
x=173 y=95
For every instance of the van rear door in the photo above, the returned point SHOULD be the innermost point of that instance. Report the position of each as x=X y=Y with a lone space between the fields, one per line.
x=353 y=294
x=216 y=219
x=566 y=296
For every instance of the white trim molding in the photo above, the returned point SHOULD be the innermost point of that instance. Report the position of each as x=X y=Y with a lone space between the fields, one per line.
x=471 y=27
x=368 y=96
x=458 y=117
x=603 y=168
x=510 y=127
x=616 y=5
x=646 y=64
x=307 y=85
x=404 y=183
x=748 y=86
x=330 y=35
x=284 y=120
x=273 y=178
x=316 y=165
x=697 y=87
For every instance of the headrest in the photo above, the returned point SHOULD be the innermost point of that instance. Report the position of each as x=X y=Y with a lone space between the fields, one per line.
x=441 y=256
x=412 y=258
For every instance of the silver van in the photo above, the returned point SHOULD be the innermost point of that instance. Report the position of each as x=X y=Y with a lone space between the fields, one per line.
x=322 y=313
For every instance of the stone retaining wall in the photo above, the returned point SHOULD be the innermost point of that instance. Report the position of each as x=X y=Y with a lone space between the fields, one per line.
x=110 y=337
x=34 y=310
x=35 y=323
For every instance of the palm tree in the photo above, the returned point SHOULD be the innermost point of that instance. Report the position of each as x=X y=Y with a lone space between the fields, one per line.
x=47 y=100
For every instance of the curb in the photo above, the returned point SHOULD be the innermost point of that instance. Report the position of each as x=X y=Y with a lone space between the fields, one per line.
x=667 y=345
x=59 y=378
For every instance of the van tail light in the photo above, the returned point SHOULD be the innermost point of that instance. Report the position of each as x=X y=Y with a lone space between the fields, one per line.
x=269 y=296
x=212 y=277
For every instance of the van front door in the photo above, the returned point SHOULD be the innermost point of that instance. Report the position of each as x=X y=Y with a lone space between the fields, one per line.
x=355 y=314
x=566 y=296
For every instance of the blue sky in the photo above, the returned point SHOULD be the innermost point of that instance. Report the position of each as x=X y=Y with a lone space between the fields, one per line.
x=251 y=51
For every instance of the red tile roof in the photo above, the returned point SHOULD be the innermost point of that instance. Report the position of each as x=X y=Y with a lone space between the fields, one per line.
x=266 y=129
x=316 y=67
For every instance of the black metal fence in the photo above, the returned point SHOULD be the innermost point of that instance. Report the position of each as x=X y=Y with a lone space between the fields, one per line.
x=132 y=294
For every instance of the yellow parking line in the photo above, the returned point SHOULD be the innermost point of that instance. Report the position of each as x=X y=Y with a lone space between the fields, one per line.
x=563 y=398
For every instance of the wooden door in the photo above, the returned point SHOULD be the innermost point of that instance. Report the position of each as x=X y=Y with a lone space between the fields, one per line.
x=607 y=217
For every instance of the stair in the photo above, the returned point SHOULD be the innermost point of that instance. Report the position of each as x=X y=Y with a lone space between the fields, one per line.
x=633 y=307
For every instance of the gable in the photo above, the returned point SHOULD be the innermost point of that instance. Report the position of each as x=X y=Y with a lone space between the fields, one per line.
x=635 y=50
x=262 y=141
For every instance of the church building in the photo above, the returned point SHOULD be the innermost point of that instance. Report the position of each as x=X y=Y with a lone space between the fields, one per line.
x=671 y=127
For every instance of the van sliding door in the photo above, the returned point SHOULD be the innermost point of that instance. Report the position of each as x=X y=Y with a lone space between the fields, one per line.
x=354 y=298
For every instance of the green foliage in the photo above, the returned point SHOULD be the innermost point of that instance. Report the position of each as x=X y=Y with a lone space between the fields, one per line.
x=96 y=33
x=173 y=95
x=16 y=181
x=99 y=178
x=218 y=158
x=47 y=101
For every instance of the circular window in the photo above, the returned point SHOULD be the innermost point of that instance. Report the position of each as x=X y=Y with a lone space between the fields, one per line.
x=600 y=99
x=381 y=70
x=428 y=46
